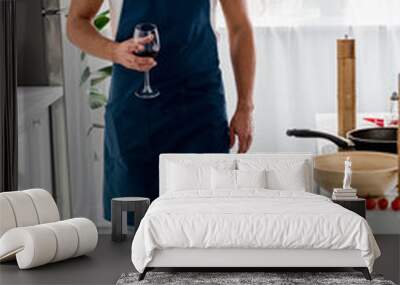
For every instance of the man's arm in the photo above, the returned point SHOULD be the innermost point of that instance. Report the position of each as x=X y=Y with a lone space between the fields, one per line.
x=83 y=34
x=243 y=61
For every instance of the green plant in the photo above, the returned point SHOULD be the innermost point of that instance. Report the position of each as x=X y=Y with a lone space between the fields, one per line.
x=97 y=98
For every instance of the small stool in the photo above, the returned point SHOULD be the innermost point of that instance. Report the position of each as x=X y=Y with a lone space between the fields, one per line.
x=119 y=207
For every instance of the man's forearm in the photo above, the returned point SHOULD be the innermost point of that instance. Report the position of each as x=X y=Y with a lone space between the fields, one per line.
x=84 y=35
x=243 y=61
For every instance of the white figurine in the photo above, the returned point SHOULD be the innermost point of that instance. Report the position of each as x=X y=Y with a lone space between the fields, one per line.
x=347 y=174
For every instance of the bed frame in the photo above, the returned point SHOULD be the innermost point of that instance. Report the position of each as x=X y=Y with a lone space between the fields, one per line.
x=233 y=259
x=236 y=259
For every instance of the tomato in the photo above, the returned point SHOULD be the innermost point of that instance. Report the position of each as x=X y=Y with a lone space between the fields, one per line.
x=396 y=204
x=371 y=204
x=383 y=203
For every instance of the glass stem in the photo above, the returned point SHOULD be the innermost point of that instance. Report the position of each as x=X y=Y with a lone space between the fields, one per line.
x=147 y=87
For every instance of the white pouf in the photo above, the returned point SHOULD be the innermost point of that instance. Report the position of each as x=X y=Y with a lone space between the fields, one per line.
x=7 y=220
x=45 y=205
x=26 y=208
x=37 y=245
x=87 y=233
x=30 y=230
x=23 y=208
x=67 y=237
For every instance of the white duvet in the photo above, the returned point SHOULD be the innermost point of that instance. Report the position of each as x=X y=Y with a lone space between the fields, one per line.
x=250 y=219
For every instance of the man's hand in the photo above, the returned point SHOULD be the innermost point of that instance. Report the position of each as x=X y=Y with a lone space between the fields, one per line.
x=123 y=53
x=82 y=33
x=242 y=126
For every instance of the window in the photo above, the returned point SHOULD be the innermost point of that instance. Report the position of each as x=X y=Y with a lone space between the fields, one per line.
x=321 y=12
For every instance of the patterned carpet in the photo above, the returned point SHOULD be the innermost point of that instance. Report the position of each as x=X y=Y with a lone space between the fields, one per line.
x=244 y=278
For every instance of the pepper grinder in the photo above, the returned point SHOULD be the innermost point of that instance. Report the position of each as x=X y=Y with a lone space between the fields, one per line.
x=346 y=73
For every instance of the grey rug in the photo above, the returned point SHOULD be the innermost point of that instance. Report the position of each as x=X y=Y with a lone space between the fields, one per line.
x=268 y=278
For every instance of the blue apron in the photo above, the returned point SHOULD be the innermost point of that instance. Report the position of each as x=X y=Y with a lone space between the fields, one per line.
x=188 y=117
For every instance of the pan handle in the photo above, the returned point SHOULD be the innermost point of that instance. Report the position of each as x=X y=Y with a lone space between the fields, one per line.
x=304 y=133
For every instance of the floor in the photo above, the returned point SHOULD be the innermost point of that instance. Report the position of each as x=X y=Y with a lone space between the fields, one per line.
x=103 y=266
x=110 y=260
x=389 y=262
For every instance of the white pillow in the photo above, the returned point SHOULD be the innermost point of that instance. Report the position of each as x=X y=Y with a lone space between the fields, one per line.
x=223 y=179
x=237 y=179
x=282 y=174
x=251 y=178
x=188 y=177
x=292 y=180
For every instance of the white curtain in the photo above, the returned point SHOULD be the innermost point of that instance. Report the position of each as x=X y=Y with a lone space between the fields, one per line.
x=296 y=62
x=322 y=12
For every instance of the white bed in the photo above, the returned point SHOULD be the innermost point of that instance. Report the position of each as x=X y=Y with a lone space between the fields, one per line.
x=248 y=227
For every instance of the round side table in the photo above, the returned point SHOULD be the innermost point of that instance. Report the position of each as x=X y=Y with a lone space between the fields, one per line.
x=119 y=208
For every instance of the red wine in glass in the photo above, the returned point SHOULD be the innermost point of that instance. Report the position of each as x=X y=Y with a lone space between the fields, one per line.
x=150 y=50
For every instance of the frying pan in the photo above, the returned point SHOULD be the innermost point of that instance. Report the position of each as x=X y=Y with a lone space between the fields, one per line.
x=371 y=139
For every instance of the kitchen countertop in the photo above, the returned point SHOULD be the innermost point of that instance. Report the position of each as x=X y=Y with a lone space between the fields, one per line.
x=381 y=222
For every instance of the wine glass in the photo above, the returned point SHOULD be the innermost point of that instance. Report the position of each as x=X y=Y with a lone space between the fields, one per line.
x=150 y=50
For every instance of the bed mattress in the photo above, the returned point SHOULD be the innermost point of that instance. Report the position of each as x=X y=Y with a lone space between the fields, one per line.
x=250 y=219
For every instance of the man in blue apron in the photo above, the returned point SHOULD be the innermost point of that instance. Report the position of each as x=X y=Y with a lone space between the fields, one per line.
x=189 y=116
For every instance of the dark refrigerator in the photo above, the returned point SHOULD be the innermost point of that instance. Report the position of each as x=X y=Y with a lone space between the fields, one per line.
x=39 y=42
x=33 y=120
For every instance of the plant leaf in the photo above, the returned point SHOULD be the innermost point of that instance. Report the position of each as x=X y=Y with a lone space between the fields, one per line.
x=104 y=13
x=96 y=99
x=85 y=75
x=101 y=21
x=100 y=75
x=97 y=80
x=107 y=70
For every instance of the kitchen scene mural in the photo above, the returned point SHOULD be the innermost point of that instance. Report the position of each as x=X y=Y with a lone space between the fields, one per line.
x=322 y=74
x=355 y=87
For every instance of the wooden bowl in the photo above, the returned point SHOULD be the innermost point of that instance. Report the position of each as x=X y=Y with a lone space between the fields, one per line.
x=374 y=173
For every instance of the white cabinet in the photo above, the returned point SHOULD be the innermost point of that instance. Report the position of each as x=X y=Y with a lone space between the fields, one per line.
x=35 y=148
x=34 y=154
